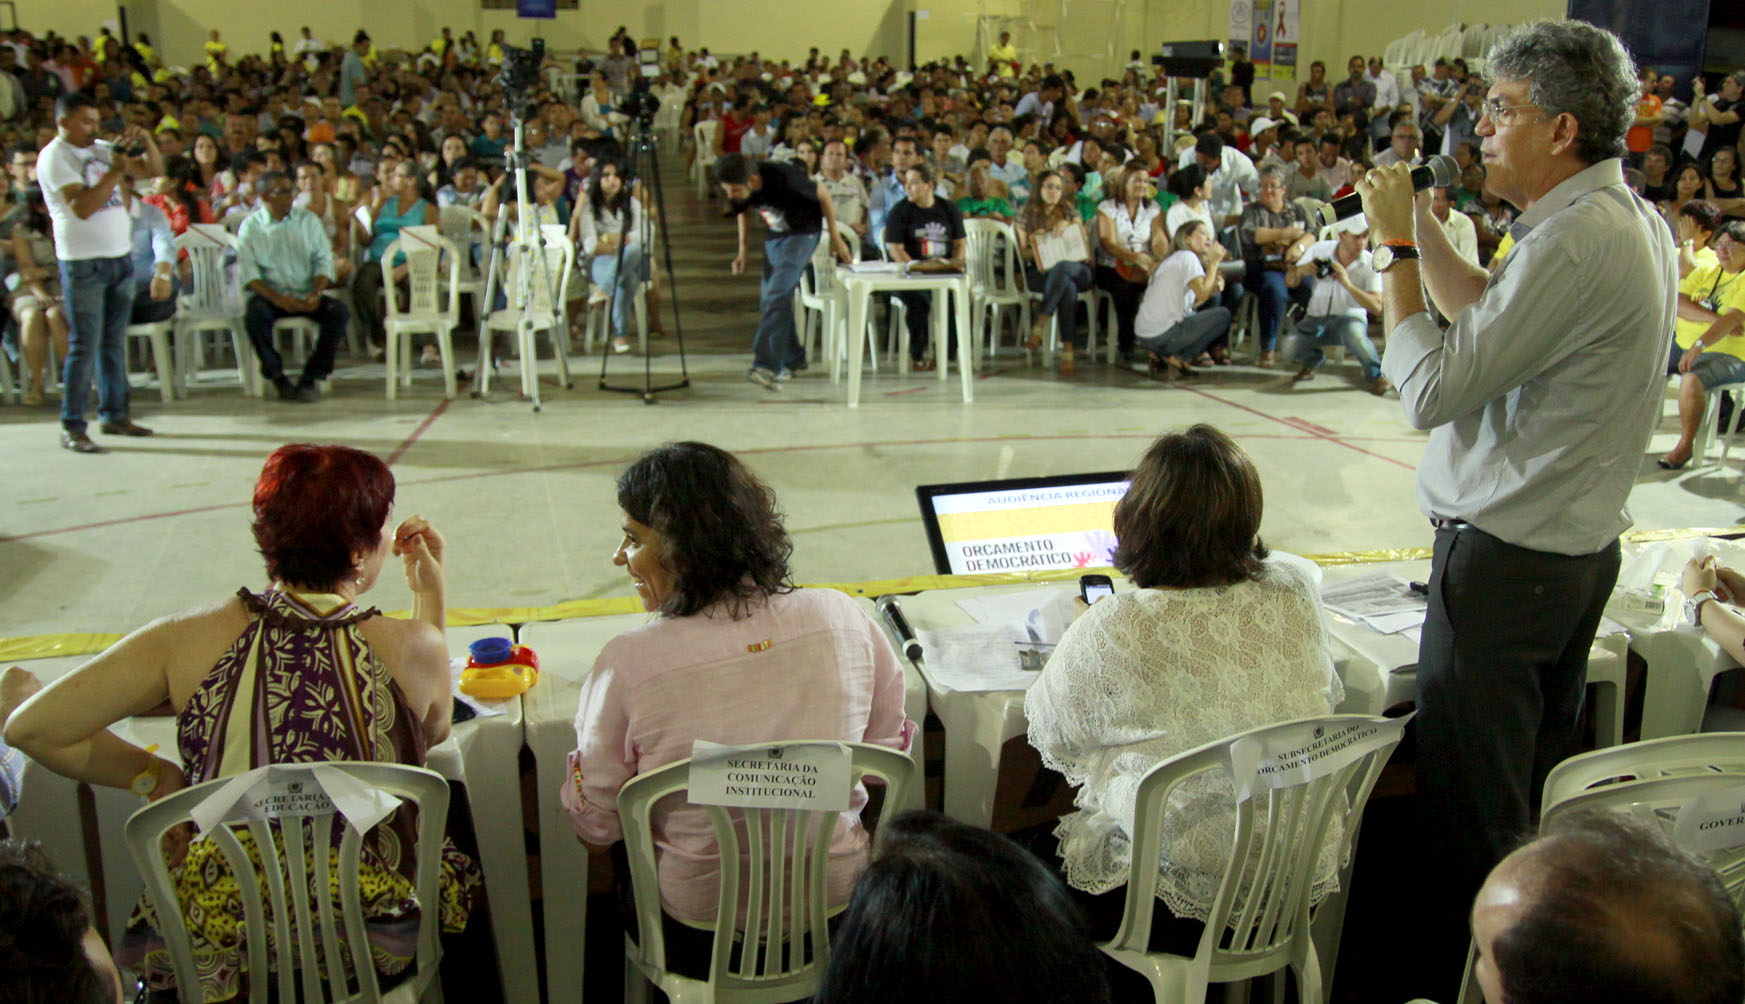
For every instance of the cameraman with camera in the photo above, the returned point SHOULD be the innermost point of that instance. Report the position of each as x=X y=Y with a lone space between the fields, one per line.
x=1347 y=292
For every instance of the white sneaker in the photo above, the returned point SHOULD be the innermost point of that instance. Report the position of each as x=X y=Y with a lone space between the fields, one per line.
x=763 y=378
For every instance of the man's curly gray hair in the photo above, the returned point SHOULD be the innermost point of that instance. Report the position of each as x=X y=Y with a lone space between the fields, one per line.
x=1576 y=68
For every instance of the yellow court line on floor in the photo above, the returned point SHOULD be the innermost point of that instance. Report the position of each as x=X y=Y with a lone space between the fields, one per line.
x=50 y=646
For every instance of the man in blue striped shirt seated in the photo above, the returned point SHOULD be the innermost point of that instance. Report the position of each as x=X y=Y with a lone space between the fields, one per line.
x=284 y=261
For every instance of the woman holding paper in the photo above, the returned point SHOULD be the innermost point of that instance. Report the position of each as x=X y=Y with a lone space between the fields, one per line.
x=296 y=673
x=735 y=654
x=1217 y=637
x=1057 y=263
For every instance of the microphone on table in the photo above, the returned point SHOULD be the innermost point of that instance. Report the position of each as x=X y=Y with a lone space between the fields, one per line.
x=893 y=614
x=1439 y=171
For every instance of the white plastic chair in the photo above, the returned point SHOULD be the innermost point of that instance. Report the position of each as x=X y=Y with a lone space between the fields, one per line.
x=786 y=885
x=214 y=304
x=426 y=312
x=821 y=298
x=994 y=286
x=1658 y=801
x=464 y=227
x=1705 y=753
x=544 y=311
x=158 y=333
x=1650 y=780
x=315 y=929
x=233 y=220
x=704 y=134
x=1259 y=921
x=1707 y=432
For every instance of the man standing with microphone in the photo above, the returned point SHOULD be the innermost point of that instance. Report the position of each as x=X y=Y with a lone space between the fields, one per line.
x=1540 y=397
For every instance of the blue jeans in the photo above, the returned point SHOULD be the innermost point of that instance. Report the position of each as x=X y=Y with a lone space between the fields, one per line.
x=1191 y=335
x=603 y=272
x=776 y=345
x=1303 y=346
x=1268 y=285
x=1060 y=287
x=99 y=296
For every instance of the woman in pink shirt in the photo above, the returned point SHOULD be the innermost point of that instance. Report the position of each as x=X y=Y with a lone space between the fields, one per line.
x=735 y=655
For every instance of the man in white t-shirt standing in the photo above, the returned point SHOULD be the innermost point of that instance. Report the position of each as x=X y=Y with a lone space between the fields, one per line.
x=1348 y=292
x=93 y=239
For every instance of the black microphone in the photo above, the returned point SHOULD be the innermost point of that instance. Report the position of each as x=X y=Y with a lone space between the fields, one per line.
x=1440 y=171
x=887 y=605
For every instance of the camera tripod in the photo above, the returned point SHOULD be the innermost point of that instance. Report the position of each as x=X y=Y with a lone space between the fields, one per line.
x=642 y=160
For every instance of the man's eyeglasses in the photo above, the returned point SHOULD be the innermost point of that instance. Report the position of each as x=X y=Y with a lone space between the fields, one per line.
x=1502 y=114
x=279 y=193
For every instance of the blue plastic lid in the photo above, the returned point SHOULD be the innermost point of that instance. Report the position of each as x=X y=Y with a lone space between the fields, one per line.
x=491 y=651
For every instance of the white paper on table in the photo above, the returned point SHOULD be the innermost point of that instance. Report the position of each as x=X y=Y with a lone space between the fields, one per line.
x=1366 y=595
x=974 y=658
x=1415 y=634
x=871 y=267
x=1007 y=608
x=482 y=709
x=1609 y=627
x=1398 y=623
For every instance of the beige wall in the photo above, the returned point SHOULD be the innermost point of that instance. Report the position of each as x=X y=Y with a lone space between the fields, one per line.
x=1090 y=36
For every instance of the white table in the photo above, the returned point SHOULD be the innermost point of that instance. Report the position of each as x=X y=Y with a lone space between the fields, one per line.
x=914 y=706
x=977 y=723
x=860 y=287
x=1378 y=670
x=566 y=655
x=482 y=754
x=1682 y=661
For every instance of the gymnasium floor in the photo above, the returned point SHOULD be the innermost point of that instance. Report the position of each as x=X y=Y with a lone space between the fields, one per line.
x=105 y=543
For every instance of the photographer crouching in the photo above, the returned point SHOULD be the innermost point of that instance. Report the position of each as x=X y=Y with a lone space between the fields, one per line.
x=1346 y=292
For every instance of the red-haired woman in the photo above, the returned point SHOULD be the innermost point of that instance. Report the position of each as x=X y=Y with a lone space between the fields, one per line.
x=293 y=674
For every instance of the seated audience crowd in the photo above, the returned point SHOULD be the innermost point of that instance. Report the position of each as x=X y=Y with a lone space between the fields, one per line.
x=1173 y=225
x=393 y=136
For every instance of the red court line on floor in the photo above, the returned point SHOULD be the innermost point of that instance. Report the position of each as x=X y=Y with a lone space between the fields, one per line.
x=1305 y=426
x=749 y=451
x=400 y=451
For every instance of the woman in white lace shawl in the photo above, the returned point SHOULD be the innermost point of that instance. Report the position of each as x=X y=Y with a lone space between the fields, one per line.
x=1217 y=638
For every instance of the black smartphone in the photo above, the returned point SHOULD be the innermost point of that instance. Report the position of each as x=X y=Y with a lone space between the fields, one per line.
x=462 y=712
x=1094 y=587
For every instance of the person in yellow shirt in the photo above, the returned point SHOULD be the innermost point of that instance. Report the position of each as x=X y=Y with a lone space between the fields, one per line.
x=142 y=44
x=494 y=51
x=215 y=51
x=1694 y=224
x=1004 y=56
x=1708 y=349
x=441 y=43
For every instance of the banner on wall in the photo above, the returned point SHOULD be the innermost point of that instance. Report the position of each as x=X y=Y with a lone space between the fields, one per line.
x=1269 y=29
x=1241 y=23
x=1284 y=38
x=536 y=8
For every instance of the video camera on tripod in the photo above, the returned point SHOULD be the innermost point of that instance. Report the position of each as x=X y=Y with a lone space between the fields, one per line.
x=521 y=73
x=640 y=104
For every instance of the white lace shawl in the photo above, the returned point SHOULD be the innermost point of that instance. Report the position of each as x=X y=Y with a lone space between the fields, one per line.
x=1147 y=674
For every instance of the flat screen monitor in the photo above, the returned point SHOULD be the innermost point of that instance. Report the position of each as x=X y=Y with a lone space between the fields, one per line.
x=1022 y=524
